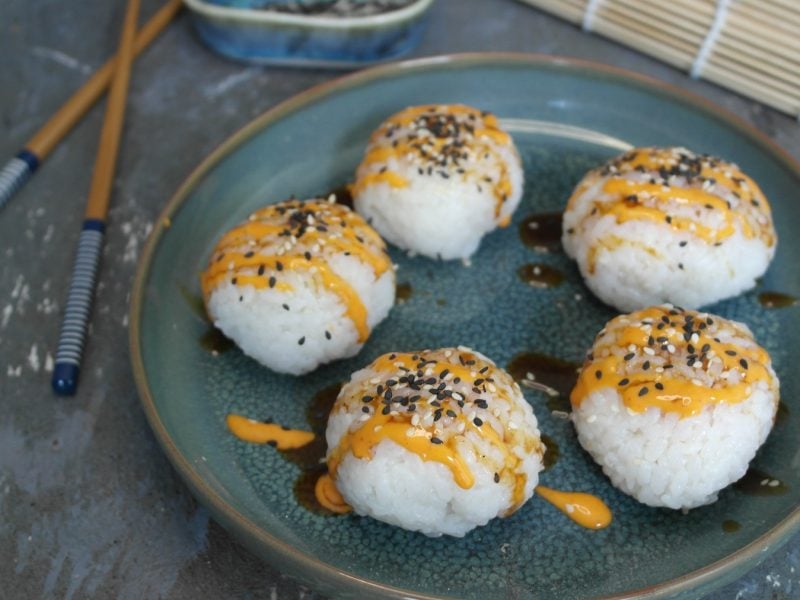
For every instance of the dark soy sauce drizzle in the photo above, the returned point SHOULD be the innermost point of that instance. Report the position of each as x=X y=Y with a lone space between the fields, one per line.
x=557 y=374
x=540 y=276
x=213 y=339
x=343 y=195
x=776 y=300
x=782 y=415
x=309 y=457
x=752 y=481
x=542 y=232
x=552 y=452
x=194 y=301
x=404 y=292
x=731 y=526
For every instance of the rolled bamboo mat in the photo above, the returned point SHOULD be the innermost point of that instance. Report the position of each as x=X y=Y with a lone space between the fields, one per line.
x=749 y=46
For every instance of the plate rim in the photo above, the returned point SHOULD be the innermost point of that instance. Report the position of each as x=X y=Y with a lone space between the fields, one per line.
x=301 y=563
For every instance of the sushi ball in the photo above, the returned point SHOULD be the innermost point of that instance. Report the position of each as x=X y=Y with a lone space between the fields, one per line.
x=673 y=404
x=437 y=441
x=299 y=284
x=435 y=179
x=667 y=225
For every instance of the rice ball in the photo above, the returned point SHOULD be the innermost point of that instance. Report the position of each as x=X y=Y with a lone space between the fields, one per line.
x=299 y=284
x=673 y=404
x=436 y=178
x=667 y=225
x=437 y=441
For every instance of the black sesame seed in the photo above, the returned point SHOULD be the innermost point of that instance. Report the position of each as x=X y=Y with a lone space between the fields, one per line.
x=627 y=357
x=624 y=381
x=435 y=440
x=730 y=352
x=598 y=374
x=659 y=386
x=272 y=282
x=497 y=477
x=478 y=421
x=301 y=341
x=327 y=334
x=480 y=403
x=743 y=362
x=285 y=307
x=386 y=410
x=645 y=365
x=261 y=269
x=365 y=409
x=643 y=391
x=451 y=413
x=366 y=399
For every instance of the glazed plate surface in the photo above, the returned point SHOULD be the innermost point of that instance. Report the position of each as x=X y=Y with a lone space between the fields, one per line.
x=565 y=117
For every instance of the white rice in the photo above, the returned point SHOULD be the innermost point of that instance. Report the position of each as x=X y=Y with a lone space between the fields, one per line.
x=641 y=262
x=293 y=321
x=660 y=457
x=663 y=460
x=260 y=325
x=444 y=210
x=397 y=486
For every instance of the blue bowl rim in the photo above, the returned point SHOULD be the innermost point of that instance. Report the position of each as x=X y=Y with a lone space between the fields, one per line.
x=266 y=17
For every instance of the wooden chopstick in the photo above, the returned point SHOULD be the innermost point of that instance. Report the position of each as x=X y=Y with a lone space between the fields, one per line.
x=20 y=168
x=84 y=274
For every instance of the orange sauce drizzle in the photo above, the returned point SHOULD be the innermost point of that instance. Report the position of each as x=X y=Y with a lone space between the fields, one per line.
x=328 y=495
x=355 y=308
x=676 y=394
x=256 y=432
x=397 y=427
x=381 y=427
x=382 y=151
x=585 y=509
x=623 y=211
x=242 y=267
x=726 y=175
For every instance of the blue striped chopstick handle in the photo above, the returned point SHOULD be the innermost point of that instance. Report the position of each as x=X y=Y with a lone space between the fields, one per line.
x=16 y=172
x=79 y=306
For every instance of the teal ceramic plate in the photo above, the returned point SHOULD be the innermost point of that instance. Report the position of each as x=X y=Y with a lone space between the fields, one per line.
x=565 y=117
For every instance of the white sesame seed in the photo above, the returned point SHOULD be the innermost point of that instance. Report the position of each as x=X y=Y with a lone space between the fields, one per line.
x=649 y=351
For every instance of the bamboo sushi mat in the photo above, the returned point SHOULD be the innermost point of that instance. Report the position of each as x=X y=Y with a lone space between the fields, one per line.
x=749 y=46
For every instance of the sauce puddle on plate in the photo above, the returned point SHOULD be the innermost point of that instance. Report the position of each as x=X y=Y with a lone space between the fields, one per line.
x=404 y=292
x=542 y=232
x=552 y=452
x=759 y=483
x=213 y=339
x=540 y=275
x=553 y=376
x=776 y=300
x=731 y=526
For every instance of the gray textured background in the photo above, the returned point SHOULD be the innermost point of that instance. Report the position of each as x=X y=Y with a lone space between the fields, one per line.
x=89 y=505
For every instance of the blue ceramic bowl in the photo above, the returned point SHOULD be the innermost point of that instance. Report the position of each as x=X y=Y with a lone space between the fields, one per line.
x=260 y=36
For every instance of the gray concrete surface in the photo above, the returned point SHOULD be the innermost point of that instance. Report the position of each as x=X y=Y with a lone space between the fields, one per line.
x=89 y=506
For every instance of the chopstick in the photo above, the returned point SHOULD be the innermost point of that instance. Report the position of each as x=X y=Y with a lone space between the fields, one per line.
x=84 y=274
x=20 y=168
